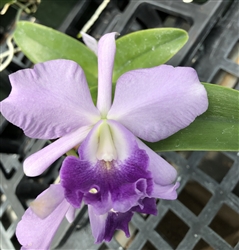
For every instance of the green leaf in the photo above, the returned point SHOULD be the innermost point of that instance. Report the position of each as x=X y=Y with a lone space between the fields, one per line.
x=40 y=43
x=3 y=2
x=147 y=48
x=217 y=129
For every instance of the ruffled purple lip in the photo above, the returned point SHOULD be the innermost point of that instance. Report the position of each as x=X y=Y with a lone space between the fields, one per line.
x=117 y=184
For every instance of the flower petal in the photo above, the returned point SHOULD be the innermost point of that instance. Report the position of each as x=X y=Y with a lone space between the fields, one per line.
x=69 y=181
x=165 y=192
x=97 y=223
x=35 y=233
x=37 y=163
x=90 y=42
x=162 y=172
x=48 y=201
x=50 y=100
x=106 y=54
x=157 y=102
x=104 y=226
x=117 y=184
x=148 y=206
x=163 y=175
x=70 y=215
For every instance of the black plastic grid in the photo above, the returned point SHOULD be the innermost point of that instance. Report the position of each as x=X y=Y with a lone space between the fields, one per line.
x=218 y=58
x=198 y=228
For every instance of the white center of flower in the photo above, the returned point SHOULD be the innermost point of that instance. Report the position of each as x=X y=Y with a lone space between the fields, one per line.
x=93 y=191
x=106 y=149
x=112 y=210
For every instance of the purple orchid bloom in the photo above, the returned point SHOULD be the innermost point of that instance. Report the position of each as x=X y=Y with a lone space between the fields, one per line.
x=116 y=174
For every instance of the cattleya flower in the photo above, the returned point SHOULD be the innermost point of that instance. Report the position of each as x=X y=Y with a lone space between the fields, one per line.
x=116 y=174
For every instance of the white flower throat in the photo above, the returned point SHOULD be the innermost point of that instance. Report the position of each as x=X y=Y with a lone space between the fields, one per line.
x=106 y=148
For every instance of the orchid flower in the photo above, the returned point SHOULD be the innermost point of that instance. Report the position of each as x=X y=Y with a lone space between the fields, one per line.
x=116 y=174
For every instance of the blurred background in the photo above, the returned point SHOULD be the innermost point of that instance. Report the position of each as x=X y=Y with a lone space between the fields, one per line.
x=206 y=214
